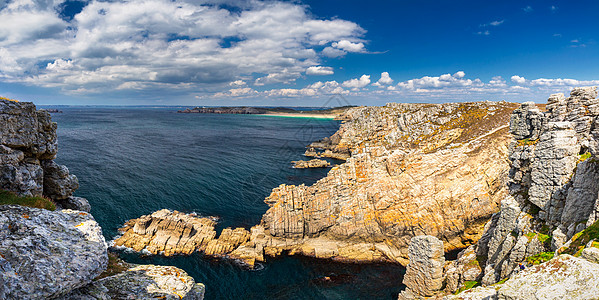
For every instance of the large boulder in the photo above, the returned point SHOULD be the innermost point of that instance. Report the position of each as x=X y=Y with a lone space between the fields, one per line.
x=143 y=282
x=424 y=273
x=45 y=254
x=24 y=127
x=58 y=183
x=565 y=277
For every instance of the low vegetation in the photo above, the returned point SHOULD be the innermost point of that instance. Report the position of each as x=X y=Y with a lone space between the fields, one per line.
x=580 y=239
x=540 y=258
x=526 y=142
x=36 y=202
x=8 y=99
x=115 y=266
x=467 y=285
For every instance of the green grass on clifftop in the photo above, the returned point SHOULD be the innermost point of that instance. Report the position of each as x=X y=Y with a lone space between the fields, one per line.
x=37 y=202
x=580 y=239
x=539 y=258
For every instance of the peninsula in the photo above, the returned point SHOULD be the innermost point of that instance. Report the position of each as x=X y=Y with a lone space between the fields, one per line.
x=320 y=113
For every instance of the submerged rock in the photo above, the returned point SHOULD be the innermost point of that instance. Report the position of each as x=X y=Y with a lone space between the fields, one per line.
x=46 y=254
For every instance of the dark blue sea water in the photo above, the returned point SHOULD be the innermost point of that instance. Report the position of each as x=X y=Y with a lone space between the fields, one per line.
x=134 y=161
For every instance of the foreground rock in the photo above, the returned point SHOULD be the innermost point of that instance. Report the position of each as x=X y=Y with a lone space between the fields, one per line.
x=28 y=145
x=45 y=254
x=143 y=282
x=424 y=273
x=171 y=232
x=411 y=169
x=564 y=277
x=553 y=194
x=313 y=163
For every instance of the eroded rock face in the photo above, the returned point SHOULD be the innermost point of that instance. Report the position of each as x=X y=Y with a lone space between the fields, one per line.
x=27 y=129
x=143 y=282
x=424 y=273
x=28 y=145
x=45 y=254
x=171 y=232
x=411 y=169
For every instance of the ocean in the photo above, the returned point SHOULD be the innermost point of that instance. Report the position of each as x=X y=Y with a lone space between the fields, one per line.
x=134 y=161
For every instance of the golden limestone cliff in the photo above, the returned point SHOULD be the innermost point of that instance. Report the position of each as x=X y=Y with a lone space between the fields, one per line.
x=411 y=169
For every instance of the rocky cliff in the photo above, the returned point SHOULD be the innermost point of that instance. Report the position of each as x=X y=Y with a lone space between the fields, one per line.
x=411 y=169
x=551 y=208
x=28 y=146
x=48 y=254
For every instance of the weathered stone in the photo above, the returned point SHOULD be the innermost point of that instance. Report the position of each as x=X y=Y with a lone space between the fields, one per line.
x=75 y=203
x=143 y=282
x=555 y=159
x=313 y=163
x=552 y=188
x=58 y=183
x=26 y=129
x=424 y=273
x=414 y=169
x=171 y=232
x=477 y=293
x=526 y=122
x=46 y=254
x=564 y=277
x=167 y=232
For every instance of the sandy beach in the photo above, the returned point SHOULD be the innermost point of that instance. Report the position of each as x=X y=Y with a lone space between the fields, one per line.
x=300 y=115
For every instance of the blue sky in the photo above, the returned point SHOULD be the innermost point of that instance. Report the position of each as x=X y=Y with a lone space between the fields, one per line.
x=294 y=53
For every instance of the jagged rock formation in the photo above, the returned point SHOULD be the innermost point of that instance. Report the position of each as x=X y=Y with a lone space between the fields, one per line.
x=565 y=277
x=171 y=232
x=411 y=169
x=313 y=163
x=143 y=282
x=552 y=184
x=424 y=273
x=28 y=146
x=44 y=254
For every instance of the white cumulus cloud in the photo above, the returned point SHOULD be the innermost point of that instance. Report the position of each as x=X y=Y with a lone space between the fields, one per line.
x=349 y=46
x=319 y=70
x=356 y=84
x=195 y=46
x=384 y=80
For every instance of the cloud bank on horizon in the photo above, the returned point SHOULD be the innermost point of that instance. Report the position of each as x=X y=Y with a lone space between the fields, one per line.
x=213 y=50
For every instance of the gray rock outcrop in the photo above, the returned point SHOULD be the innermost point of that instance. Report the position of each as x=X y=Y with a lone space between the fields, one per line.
x=142 y=282
x=28 y=146
x=424 y=272
x=553 y=191
x=44 y=254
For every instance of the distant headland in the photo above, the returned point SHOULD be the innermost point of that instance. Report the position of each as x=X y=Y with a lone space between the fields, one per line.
x=328 y=113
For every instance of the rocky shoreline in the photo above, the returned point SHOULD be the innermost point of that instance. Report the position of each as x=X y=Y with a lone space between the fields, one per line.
x=59 y=254
x=512 y=187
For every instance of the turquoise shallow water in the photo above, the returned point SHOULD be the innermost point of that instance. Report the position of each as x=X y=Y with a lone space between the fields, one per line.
x=133 y=161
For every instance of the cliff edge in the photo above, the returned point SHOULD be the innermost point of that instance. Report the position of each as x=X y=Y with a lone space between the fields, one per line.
x=411 y=169
x=47 y=253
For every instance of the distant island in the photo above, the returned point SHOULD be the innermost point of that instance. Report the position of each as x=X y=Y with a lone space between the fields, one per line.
x=329 y=113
